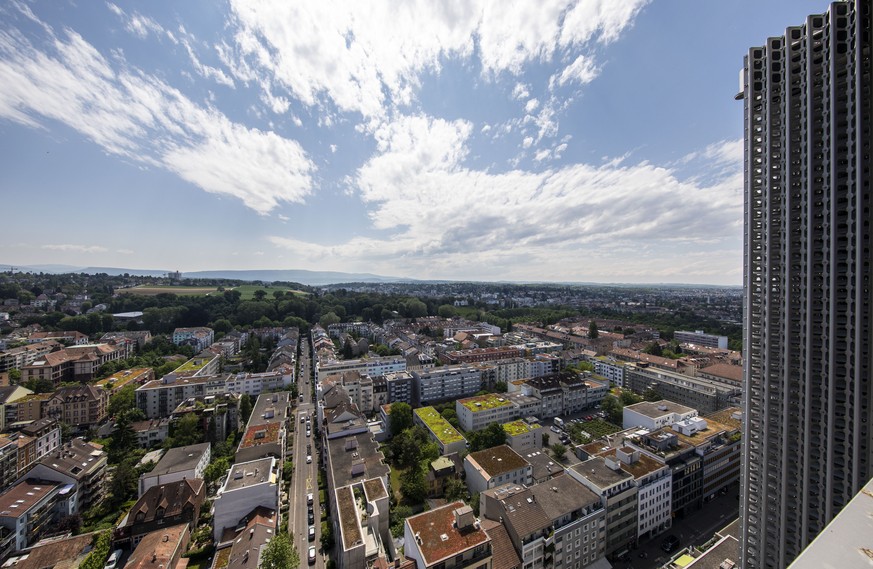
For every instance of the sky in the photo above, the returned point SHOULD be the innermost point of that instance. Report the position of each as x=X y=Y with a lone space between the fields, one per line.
x=547 y=140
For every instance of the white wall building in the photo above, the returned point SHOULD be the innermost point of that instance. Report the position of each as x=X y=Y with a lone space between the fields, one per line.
x=653 y=416
x=247 y=486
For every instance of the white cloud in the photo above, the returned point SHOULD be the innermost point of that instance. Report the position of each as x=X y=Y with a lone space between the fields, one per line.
x=582 y=70
x=527 y=142
x=531 y=106
x=485 y=128
x=140 y=117
x=542 y=154
x=73 y=248
x=367 y=57
x=333 y=148
x=438 y=217
x=214 y=73
x=125 y=251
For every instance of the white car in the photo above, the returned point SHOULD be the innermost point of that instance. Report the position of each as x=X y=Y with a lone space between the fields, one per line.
x=308 y=459
x=112 y=562
x=308 y=433
x=311 y=533
x=302 y=418
x=312 y=555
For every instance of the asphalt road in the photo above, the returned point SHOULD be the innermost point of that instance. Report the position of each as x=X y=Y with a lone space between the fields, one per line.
x=305 y=480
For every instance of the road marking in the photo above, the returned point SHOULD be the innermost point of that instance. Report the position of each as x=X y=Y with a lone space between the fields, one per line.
x=309 y=483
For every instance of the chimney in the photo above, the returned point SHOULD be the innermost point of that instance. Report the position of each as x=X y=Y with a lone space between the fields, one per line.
x=463 y=517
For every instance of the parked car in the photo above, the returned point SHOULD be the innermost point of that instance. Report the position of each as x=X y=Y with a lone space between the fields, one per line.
x=309 y=498
x=311 y=517
x=113 y=560
x=302 y=418
x=308 y=459
x=311 y=533
x=312 y=555
x=670 y=544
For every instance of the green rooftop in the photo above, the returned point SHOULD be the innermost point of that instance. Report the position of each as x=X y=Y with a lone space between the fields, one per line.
x=515 y=428
x=441 y=428
x=194 y=364
x=485 y=402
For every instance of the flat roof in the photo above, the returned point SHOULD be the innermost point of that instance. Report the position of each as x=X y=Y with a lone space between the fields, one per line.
x=258 y=435
x=543 y=465
x=375 y=489
x=595 y=470
x=485 y=402
x=659 y=408
x=442 y=429
x=641 y=467
x=353 y=458
x=348 y=514
x=244 y=474
x=437 y=537
x=498 y=460
x=179 y=459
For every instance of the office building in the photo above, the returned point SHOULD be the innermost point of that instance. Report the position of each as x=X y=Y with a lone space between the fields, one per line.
x=808 y=334
x=700 y=338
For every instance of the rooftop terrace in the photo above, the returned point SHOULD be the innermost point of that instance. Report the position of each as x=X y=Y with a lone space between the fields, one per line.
x=485 y=402
x=441 y=428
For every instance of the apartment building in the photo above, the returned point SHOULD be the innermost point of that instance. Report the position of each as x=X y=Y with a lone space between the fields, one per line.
x=618 y=494
x=700 y=338
x=8 y=461
x=655 y=415
x=18 y=358
x=158 y=398
x=248 y=485
x=76 y=363
x=80 y=464
x=82 y=406
x=446 y=436
x=448 y=537
x=10 y=395
x=364 y=528
x=704 y=395
x=401 y=387
x=199 y=338
x=151 y=432
x=66 y=337
x=445 y=383
x=180 y=463
x=254 y=384
x=167 y=504
x=27 y=512
x=495 y=466
x=35 y=441
x=478 y=355
x=161 y=549
x=566 y=392
x=205 y=363
x=31 y=407
x=611 y=369
x=369 y=366
x=524 y=436
x=139 y=337
x=476 y=413
x=559 y=523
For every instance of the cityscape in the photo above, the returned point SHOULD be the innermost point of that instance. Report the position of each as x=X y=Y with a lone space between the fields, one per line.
x=450 y=286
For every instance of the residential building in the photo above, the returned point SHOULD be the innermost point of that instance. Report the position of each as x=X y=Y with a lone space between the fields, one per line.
x=448 y=537
x=808 y=322
x=618 y=494
x=8 y=461
x=199 y=338
x=18 y=358
x=219 y=413
x=178 y=463
x=440 y=472
x=363 y=524
x=27 y=511
x=476 y=413
x=254 y=384
x=542 y=466
x=704 y=395
x=10 y=395
x=700 y=338
x=57 y=552
x=401 y=387
x=161 y=549
x=139 y=337
x=79 y=464
x=559 y=523
x=504 y=554
x=261 y=441
x=478 y=355
x=611 y=369
x=565 y=393
x=160 y=397
x=369 y=366
x=524 y=436
x=204 y=364
x=76 y=363
x=66 y=337
x=117 y=381
x=82 y=406
x=35 y=441
x=655 y=415
x=241 y=547
x=445 y=383
x=729 y=374
x=446 y=436
x=172 y=503
x=151 y=432
x=31 y=407
x=248 y=485
x=654 y=482
x=495 y=466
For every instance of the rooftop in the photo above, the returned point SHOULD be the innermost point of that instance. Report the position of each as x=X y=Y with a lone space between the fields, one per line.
x=659 y=408
x=196 y=363
x=543 y=465
x=375 y=489
x=173 y=497
x=247 y=544
x=353 y=458
x=729 y=372
x=124 y=377
x=515 y=428
x=485 y=402
x=76 y=458
x=270 y=408
x=16 y=501
x=595 y=470
x=505 y=556
x=244 y=474
x=563 y=495
x=179 y=459
x=438 y=538
x=66 y=553
x=260 y=435
x=158 y=548
x=643 y=466
x=441 y=428
x=348 y=514
x=498 y=460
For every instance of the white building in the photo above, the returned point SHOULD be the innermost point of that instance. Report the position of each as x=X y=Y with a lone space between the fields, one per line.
x=653 y=416
x=611 y=369
x=177 y=464
x=253 y=384
x=449 y=536
x=368 y=366
x=445 y=383
x=200 y=337
x=247 y=486
x=159 y=397
x=700 y=338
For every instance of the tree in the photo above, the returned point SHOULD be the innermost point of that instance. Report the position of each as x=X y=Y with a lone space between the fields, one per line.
x=500 y=387
x=651 y=395
x=447 y=311
x=628 y=397
x=280 y=553
x=653 y=349
x=413 y=485
x=455 y=490
x=592 y=330
x=43 y=385
x=613 y=409
x=124 y=402
x=491 y=436
x=14 y=376
x=245 y=407
x=186 y=431
x=260 y=294
x=328 y=319
x=122 y=441
x=216 y=470
x=123 y=483
x=559 y=451
x=400 y=417
x=327 y=536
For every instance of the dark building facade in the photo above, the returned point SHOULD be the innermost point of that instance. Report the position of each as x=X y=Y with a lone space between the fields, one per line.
x=808 y=343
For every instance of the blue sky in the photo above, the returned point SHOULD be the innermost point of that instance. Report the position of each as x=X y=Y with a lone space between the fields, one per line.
x=591 y=140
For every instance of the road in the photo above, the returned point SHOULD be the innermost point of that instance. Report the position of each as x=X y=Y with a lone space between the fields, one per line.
x=305 y=480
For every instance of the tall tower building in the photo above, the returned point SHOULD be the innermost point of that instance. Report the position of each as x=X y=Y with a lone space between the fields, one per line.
x=808 y=339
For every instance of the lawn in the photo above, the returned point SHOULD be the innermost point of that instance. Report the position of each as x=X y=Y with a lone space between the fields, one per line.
x=177 y=290
x=247 y=292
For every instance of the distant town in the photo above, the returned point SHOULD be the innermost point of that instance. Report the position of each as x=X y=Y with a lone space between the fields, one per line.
x=365 y=425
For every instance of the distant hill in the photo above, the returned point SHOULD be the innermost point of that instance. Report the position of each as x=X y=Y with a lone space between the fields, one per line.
x=310 y=278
